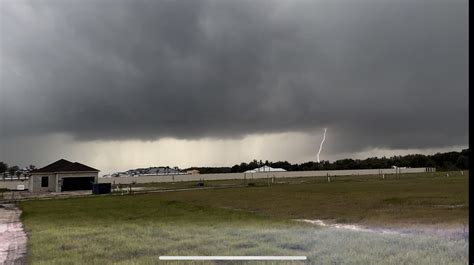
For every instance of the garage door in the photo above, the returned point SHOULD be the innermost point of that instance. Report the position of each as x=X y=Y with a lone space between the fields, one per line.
x=82 y=183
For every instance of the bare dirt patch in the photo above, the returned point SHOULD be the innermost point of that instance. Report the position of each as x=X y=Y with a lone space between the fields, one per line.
x=12 y=236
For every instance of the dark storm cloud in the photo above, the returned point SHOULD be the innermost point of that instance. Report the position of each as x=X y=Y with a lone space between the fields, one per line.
x=377 y=73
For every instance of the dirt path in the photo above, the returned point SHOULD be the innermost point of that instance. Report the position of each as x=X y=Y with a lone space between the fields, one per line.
x=12 y=236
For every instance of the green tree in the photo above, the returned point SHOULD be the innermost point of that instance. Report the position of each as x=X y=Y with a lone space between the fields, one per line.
x=430 y=163
x=253 y=164
x=462 y=162
x=3 y=167
x=12 y=170
x=31 y=168
x=18 y=174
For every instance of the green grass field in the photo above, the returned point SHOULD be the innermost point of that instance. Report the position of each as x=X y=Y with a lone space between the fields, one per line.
x=408 y=199
x=256 y=221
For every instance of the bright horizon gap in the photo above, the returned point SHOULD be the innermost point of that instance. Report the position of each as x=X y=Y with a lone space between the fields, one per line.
x=117 y=156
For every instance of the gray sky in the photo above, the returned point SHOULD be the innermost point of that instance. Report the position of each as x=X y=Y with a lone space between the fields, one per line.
x=129 y=83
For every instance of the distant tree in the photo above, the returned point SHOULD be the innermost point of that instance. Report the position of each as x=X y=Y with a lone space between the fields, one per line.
x=253 y=164
x=12 y=170
x=281 y=164
x=18 y=174
x=3 y=167
x=462 y=162
x=31 y=168
x=448 y=165
x=243 y=167
x=430 y=163
x=235 y=169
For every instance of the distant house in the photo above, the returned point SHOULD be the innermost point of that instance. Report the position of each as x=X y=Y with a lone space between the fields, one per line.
x=154 y=171
x=193 y=172
x=63 y=175
x=265 y=169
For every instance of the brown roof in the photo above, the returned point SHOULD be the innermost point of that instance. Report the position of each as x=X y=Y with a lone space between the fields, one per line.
x=63 y=165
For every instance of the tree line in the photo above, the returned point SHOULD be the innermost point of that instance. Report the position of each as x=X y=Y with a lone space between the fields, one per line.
x=448 y=161
x=7 y=171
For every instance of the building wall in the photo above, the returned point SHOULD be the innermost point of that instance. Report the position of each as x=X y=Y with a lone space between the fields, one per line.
x=285 y=174
x=55 y=180
x=35 y=183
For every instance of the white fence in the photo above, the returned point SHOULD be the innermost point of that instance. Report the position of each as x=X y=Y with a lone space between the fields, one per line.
x=13 y=185
x=284 y=174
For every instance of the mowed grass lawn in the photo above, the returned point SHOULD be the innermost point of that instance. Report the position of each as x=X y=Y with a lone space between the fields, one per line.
x=252 y=221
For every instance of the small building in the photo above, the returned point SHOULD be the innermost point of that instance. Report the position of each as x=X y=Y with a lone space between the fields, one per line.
x=192 y=172
x=265 y=169
x=157 y=171
x=63 y=175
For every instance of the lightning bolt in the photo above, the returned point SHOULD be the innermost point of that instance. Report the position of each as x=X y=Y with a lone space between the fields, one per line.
x=321 y=145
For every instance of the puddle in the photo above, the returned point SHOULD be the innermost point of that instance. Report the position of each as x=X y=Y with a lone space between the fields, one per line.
x=459 y=232
x=450 y=206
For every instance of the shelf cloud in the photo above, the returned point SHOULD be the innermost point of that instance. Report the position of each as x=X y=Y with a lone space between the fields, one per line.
x=377 y=74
